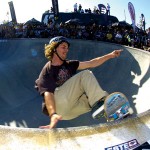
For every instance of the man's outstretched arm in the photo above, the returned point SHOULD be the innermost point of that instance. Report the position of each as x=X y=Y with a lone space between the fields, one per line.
x=99 y=60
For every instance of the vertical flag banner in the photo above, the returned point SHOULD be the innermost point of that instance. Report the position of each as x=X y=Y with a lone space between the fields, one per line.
x=12 y=11
x=143 y=21
x=55 y=8
x=132 y=14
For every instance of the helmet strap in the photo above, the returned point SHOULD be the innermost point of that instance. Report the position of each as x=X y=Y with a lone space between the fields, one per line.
x=58 y=55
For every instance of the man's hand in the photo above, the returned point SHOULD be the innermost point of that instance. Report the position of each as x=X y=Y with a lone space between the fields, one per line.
x=54 y=119
x=115 y=53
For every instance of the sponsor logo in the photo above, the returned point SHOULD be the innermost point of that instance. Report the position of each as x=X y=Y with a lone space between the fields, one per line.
x=125 y=146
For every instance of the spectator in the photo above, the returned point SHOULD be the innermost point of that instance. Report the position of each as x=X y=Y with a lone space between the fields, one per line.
x=89 y=11
x=109 y=36
x=82 y=11
x=94 y=10
x=118 y=37
x=80 y=8
x=52 y=10
x=147 y=46
x=148 y=33
x=97 y=11
x=124 y=37
x=79 y=34
x=75 y=7
x=50 y=24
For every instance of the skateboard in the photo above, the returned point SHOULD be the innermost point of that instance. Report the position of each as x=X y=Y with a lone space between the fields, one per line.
x=116 y=106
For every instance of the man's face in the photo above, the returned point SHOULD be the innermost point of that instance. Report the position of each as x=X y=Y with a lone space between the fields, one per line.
x=62 y=50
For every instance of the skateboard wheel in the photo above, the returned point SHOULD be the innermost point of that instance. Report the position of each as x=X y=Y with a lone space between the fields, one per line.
x=130 y=111
x=110 y=120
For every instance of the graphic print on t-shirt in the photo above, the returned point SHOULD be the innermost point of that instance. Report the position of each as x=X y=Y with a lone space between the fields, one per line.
x=63 y=75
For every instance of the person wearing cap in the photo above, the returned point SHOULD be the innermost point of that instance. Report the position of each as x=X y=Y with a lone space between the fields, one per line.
x=67 y=94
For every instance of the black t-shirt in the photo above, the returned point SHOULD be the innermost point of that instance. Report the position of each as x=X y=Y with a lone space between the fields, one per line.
x=54 y=76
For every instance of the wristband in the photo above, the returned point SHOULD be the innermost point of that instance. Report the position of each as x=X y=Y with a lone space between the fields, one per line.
x=53 y=114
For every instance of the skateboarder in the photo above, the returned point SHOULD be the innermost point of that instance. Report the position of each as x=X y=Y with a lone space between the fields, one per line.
x=66 y=94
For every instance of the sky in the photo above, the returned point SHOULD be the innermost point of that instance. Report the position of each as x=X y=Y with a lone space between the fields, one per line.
x=28 y=9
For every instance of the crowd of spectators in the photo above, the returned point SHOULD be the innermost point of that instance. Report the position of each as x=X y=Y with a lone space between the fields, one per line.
x=120 y=35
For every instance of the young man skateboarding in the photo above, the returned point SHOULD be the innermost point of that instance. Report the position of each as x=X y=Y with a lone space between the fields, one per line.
x=66 y=94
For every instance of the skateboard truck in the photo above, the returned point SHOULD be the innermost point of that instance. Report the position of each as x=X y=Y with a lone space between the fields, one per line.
x=121 y=113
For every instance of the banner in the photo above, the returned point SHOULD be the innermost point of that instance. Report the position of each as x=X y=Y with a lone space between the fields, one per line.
x=132 y=14
x=102 y=8
x=12 y=11
x=55 y=9
x=143 y=21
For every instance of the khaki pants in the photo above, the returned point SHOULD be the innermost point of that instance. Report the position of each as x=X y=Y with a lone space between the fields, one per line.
x=77 y=95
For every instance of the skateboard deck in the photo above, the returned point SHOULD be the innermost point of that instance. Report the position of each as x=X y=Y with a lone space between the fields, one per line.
x=117 y=106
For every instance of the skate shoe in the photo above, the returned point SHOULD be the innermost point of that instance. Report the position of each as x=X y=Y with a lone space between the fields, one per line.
x=98 y=109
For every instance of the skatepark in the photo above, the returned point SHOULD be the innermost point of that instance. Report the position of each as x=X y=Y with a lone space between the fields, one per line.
x=21 y=61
